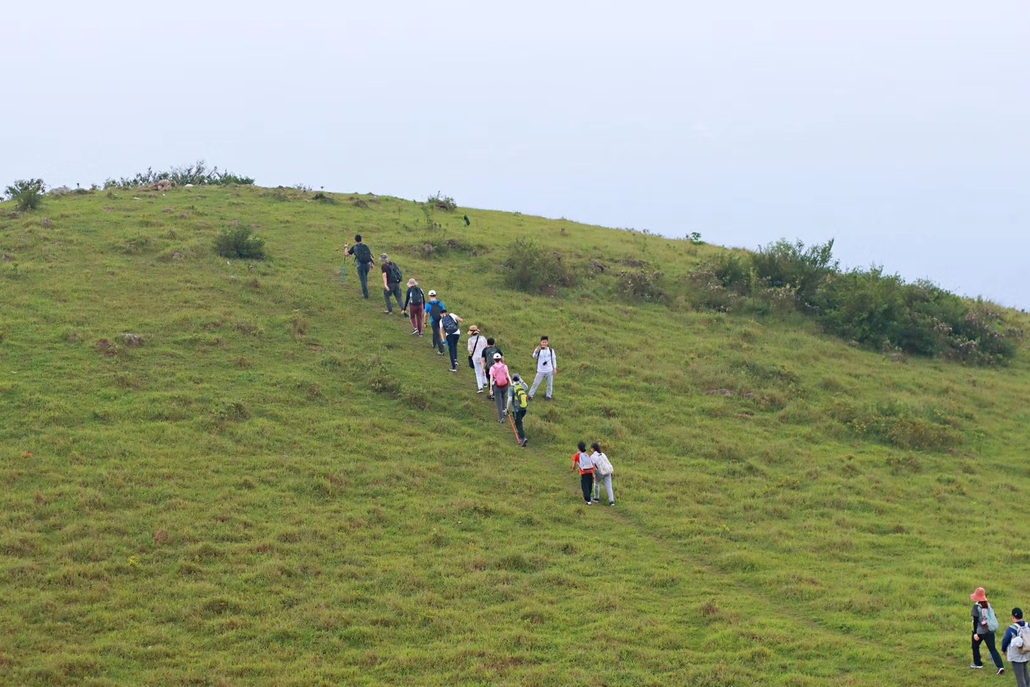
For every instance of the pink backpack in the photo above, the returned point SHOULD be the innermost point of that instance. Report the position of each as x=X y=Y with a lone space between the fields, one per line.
x=501 y=379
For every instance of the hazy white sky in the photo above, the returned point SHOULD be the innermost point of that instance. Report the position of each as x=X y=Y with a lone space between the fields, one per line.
x=901 y=129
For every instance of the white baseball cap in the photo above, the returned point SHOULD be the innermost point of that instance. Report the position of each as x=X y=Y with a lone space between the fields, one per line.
x=497 y=356
x=431 y=292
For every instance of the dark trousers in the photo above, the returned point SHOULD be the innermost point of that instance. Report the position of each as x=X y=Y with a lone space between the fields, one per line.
x=988 y=639
x=415 y=315
x=1022 y=675
x=363 y=268
x=519 y=414
x=452 y=348
x=395 y=291
x=437 y=341
x=587 y=483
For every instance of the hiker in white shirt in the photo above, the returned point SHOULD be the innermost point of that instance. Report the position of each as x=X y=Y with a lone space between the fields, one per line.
x=476 y=345
x=602 y=473
x=546 y=367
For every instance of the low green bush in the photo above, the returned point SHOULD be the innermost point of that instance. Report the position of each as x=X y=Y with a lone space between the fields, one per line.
x=27 y=194
x=533 y=269
x=237 y=242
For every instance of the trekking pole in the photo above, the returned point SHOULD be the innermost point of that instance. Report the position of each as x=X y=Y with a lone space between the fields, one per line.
x=511 y=421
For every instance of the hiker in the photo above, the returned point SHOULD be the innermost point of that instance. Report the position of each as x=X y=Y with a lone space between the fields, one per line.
x=499 y=382
x=476 y=345
x=581 y=461
x=519 y=403
x=546 y=367
x=450 y=330
x=602 y=473
x=1016 y=645
x=985 y=623
x=415 y=305
x=434 y=311
x=488 y=360
x=363 y=257
x=391 y=283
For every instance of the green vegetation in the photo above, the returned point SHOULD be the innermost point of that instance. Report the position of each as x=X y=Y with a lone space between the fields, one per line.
x=196 y=174
x=27 y=194
x=237 y=242
x=245 y=474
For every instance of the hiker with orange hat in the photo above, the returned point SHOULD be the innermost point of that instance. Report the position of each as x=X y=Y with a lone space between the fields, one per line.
x=985 y=624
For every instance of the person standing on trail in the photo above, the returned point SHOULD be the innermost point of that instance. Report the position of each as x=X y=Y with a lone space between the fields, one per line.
x=581 y=462
x=488 y=360
x=1016 y=644
x=546 y=367
x=602 y=473
x=363 y=257
x=499 y=382
x=434 y=311
x=519 y=404
x=476 y=346
x=415 y=305
x=391 y=283
x=985 y=624
x=450 y=326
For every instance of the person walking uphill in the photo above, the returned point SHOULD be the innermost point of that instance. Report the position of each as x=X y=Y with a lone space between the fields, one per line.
x=476 y=346
x=581 y=461
x=602 y=473
x=488 y=360
x=451 y=331
x=1016 y=645
x=519 y=404
x=415 y=305
x=499 y=382
x=363 y=256
x=546 y=367
x=391 y=283
x=985 y=624
x=434 y=312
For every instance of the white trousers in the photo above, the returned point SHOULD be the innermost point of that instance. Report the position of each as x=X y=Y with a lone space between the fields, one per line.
x=481 y=381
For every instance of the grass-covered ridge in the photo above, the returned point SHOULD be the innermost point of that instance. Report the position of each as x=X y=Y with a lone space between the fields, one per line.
x=276 y=484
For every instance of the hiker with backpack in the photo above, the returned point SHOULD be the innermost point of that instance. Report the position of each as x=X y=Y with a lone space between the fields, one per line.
x=476 y=346
x=603 y=471
x=985 y=624
x=546 y=367
x=450 y=330
x=391 y=283
x=499 y=383
x=519 y=404
x=363 y=257
x=488 y=360
x=415 y=306
x=581 y=462
x=1016 y=645
x=434 y=312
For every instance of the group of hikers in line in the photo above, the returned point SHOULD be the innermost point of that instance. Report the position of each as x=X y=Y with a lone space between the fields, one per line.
x=1015 y=643
x=508 y=390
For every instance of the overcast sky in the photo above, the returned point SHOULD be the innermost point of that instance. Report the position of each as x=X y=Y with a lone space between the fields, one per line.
x=900 y=129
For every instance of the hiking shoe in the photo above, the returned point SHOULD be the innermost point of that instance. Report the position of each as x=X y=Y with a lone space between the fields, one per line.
x=420 y=333
x=454 y=369
x=388 y=312
x=480 y=391
x=596 y=500
x=588 y=503
x=611 y=503
x=414 y=331
x=548 y=398
x=1001 y=671
x=501 y=420
x=976 y=666
x=439 y=352
x=490 y=397
x=524 y=442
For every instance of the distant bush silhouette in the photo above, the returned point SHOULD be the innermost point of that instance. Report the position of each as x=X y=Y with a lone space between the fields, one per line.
x=237 y=242
x=533 y=269
x=27 y=194
x=196 y=174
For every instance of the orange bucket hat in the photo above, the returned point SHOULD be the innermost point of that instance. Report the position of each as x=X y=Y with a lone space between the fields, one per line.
x=979 y=595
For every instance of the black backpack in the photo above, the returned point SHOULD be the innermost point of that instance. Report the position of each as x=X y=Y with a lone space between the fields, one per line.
x=395 y=275
x=416 y=297
x=450 y=325
x=362 y=253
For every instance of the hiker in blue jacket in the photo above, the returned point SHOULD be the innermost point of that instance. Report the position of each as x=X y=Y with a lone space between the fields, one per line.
x=434 y=313
x=1015 y=642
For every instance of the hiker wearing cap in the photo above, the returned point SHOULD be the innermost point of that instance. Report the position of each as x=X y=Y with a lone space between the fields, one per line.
x=450 y=330
x=488 y=361
x=363 y=257
x=391 y=283
x=602 y=473
x=476 y=346
x=546 y=367
x=499 y=383
x=1016 y=645
x=985 y=624
x=518 y=402
x=434 y=311
x=581 y=462
x=415 y=305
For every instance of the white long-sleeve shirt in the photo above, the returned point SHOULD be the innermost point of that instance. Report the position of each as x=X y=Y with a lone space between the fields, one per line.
x=546 y=360
x=477 y=344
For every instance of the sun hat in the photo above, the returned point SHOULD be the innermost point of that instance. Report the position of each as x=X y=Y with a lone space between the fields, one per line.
x=431 y=292
x=382 y=256
x=473 y=329
x=979 y=595
x=412 y=282
x=497 y=356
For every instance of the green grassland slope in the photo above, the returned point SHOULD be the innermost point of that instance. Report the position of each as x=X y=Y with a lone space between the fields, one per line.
x=281 y=486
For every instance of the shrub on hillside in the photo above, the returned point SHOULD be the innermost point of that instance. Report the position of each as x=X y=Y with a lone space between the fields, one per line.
x=27 y=194
x=644 y=284
x=196 y=174
x=439 y=202
x=237 y=242
x=791 y=265
x=533 y=269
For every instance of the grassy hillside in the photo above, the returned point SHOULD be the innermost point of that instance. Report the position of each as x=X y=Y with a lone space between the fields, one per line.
x=281 y=486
